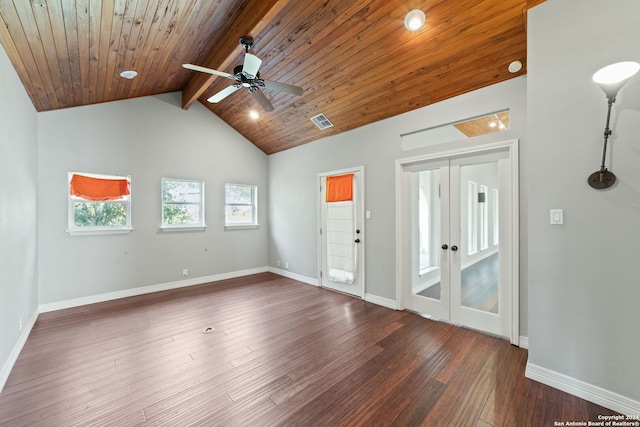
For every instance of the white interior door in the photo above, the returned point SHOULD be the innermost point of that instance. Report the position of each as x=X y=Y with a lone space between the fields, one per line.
x=341 y=231
x=458 y=232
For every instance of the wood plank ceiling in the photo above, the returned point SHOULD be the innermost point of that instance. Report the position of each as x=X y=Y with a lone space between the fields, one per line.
x=355 y=60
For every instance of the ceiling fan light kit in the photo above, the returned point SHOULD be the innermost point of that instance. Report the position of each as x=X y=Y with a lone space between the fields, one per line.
x=247 y=76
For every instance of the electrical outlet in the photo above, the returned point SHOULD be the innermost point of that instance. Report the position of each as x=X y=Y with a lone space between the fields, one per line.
x=286 y=265
x=278 y=263
x=20 y=323
x=185 y=272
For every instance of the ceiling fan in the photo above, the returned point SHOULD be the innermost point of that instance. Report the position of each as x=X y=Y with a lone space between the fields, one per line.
x=247 y=76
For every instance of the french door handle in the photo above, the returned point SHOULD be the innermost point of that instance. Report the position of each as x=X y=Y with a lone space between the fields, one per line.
x=454 y=248
x=445 y=246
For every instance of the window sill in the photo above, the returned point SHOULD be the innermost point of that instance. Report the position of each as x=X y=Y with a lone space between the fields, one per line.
x=427 y=270
x=183 y=228
x=241 y=227
x=94 y=231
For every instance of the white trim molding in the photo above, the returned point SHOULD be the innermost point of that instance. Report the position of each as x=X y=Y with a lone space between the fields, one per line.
x=385 y=302
x=590 y=392
x=294 y=276
x=13 y=357
x=523 y=342
x=92 y=299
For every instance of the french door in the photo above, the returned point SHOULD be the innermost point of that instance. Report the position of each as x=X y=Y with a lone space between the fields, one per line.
x=459 y=261
x=341 y=242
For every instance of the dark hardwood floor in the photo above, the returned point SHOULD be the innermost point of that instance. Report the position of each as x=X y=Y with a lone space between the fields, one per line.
x=279 y=353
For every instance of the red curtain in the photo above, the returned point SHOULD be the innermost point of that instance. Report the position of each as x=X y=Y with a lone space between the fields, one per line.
x=340 y=188
x=98 y=189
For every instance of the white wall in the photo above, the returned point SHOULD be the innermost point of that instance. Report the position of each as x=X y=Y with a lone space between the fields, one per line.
x=584 y=276
x=18 y=209
x=148 y=138
x=293 y=191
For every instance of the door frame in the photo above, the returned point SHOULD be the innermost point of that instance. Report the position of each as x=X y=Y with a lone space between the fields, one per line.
x=401 y=245
x=361 y=219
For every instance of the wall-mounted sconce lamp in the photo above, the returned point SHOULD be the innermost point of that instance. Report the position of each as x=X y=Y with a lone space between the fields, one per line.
x=611 y=79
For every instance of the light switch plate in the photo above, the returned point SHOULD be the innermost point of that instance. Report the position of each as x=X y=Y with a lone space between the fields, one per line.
x=556 y=216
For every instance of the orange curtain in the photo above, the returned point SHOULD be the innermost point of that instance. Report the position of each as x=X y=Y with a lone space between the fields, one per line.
x=98 y=189
x=340 y=188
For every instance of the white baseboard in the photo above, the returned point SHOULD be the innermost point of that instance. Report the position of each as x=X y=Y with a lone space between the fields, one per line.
x=92 y=299
x=374 y=299
x=385 y=302
x=294 y=276
x=8 y=365
x=590 y=392
x=523 y=342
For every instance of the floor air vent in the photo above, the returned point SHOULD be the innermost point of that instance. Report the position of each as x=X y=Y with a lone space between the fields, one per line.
x=321 y=121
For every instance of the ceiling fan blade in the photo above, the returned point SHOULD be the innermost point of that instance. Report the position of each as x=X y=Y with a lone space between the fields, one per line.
x=283 y=87
x=262 y=100
x=208 y=70
x=251 y=64
x=223 y=93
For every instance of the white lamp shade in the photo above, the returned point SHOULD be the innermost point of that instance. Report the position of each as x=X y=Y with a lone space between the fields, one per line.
x=612 y=77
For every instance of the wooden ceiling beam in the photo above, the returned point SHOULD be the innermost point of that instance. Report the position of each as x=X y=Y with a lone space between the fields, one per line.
x=255 y=16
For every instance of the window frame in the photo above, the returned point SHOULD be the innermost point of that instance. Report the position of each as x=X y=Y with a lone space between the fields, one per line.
x=254 y=204
x=76 y=230
x=472 y=218
x=201 y=225
x=484 y=218
x=496 y=217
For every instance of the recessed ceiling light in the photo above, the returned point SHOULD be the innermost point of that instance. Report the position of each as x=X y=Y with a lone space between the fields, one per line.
x=415 y=20
x=129 y=74
x=515 y=66
x=254 y=114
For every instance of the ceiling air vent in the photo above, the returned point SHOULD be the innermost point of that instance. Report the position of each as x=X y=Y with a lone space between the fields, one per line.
x=321 y=121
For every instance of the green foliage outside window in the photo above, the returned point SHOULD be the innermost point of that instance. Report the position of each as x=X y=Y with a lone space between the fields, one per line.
x=100 y=214
x=182 y=202
x=240 y=204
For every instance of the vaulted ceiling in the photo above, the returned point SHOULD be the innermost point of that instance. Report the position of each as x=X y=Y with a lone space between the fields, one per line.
x=354 y=59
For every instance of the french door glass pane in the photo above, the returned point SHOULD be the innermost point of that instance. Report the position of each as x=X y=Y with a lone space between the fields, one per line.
x=480 y=258
x=427 y=208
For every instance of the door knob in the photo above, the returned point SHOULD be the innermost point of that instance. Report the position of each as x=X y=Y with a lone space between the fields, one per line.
x=445 y=247
x=357 y=240
x=454 y=248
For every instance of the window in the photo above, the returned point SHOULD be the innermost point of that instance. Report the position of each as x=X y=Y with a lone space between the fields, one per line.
x=457 y=131
x=472 y=218
x=99 y=203
x=241 y=205
x=496 y=218
x=182 y=204
x=484 y=217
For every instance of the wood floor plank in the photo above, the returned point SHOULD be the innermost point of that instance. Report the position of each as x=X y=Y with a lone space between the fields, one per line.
x=280 y=353
x=512 y=365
